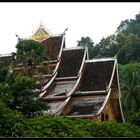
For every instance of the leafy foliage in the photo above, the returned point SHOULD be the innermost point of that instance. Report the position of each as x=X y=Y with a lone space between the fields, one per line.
x=54 y=126
x=107 y=47
x=25 y=100
x=125 y=43
x=130 y=26
x=29 y=54
x=6 y=94
x=17 y=94
x=17 y=98
x=87 y=42
x=12 y=123
x=134 y=118
x=4 y=74
x=130 y=87
x=130 y=49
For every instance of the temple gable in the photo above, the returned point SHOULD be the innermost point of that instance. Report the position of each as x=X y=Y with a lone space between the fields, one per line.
x=40 y=34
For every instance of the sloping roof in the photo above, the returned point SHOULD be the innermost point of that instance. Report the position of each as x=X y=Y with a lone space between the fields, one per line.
x=71 y=61
x=53 y=46
x=84 y=95
x=91 y=93
x=96 y=75
x=78 y=87
x=92 y=101
x=65 y=83
x=4 y=58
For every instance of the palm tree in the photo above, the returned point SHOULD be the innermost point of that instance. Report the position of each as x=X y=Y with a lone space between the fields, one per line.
x=130 y=87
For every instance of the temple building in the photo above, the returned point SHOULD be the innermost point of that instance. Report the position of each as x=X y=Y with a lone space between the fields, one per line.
x=76 y=86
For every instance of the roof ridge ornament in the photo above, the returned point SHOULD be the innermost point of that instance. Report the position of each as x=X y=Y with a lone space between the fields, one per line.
x=65 y=31
x=19 y=39
x=41 y=33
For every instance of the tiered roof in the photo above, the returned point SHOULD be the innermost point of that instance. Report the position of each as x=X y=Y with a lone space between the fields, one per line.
x=78 y=87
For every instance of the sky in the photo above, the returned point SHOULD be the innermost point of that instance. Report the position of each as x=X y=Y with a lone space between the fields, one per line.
x=93 y=19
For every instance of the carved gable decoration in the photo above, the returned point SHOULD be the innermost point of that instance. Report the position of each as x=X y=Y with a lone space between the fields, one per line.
x=40 y=35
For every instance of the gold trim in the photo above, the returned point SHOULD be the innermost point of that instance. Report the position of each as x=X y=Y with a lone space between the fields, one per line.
x=40 y=35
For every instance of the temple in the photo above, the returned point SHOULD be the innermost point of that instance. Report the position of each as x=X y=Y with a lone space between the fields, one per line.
x=76 y=86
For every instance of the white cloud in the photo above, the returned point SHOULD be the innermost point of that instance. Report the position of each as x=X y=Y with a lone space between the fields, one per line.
x=95 y=20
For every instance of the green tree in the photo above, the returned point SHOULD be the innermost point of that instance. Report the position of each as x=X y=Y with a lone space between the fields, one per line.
x=107 y=47
x=126 y=48
x=25 y=100
x=17 y=93
x=130 y=49
x=87 y=42
x=4 y=74
x=130 y=26
x=5 y=90
x=131 y=46
x=6 y=94
x=110 y=46
x=123 y=26
x=134 y=118
x=12 y=123
x=130 y=87
x=29 y=54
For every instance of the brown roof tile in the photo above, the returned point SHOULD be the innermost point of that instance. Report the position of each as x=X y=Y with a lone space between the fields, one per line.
x=5 y=59
x=53 y=45
x=70 y=64
x=97 y=75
